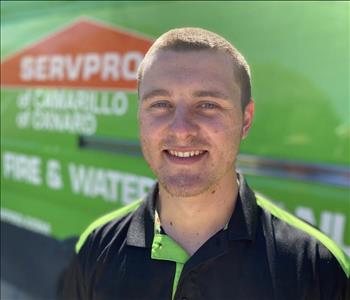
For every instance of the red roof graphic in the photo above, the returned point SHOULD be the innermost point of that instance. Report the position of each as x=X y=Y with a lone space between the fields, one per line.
x=85 y=54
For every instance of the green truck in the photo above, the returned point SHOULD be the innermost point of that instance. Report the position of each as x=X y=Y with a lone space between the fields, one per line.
x=69 y=138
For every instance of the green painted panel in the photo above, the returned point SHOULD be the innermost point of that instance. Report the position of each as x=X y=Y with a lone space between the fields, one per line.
x=299 y=56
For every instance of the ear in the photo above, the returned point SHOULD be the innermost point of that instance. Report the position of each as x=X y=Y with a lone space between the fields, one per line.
x=247 y=118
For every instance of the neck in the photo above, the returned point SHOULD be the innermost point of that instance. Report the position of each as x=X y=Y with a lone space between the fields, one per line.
x=193 y=220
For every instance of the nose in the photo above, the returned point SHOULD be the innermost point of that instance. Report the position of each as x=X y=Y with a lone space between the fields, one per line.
x=183 y=125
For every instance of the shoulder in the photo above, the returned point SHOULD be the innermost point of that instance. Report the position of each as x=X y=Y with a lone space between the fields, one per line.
x=105 y=228
x=300 y=242
x=95 y=245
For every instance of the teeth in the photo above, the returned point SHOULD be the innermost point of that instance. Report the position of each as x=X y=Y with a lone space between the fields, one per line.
x=186 y=154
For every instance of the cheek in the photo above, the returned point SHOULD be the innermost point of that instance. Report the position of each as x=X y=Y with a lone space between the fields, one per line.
x=146 y=126
x=225 y=137
x=148 y=123
x=149 y=133
x=228 y=127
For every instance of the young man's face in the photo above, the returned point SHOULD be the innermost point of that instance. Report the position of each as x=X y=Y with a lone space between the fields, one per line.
x=191 y=120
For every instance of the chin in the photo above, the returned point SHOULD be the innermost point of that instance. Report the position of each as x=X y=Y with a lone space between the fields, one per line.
x=184 y=186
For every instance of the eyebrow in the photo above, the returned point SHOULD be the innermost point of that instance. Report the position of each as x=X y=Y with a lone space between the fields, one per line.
x=211 y=94
x=156 y=93
x=197 y=94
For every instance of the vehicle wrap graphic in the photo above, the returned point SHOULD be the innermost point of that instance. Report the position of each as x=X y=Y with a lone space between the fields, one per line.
x=69 y=135
x=79 y=80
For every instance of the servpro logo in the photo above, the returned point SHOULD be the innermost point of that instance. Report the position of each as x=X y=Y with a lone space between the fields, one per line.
x=75 y=79
x=85 y=54
x=82 y=67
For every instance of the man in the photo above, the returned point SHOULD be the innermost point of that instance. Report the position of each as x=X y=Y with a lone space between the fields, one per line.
x=201 y=232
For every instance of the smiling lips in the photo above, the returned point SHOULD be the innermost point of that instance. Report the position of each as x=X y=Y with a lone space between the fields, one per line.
x=185 y=153
x=185 y=157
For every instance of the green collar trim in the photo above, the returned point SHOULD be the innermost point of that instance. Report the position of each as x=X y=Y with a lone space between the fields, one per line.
x=165 y=248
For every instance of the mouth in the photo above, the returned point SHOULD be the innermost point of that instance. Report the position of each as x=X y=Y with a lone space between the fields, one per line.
x=185 y=157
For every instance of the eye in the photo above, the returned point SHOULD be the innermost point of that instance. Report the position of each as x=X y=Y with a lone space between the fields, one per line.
x=161 y=105
x=208 y=105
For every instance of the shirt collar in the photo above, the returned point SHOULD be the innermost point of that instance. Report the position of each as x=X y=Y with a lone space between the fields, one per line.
x=242 y=224
x=141 y=230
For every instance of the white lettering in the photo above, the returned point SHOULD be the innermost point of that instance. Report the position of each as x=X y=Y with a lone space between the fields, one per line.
x=26 y=66
x=23 y=119
x=100 y=185
x=38 y=98
x=130 y=190
x=306 y=214
x=145 y=183
x=56 y=68
x=84 y=66
x=83 y=123
x=104 y=104
x=96 y=102
x=91 y=65
x=130 y=65
x=24 y=99
x=23 y=168
x=73 y=66
x=108 y=184
x=339 y=228
x=41 y=68
x=110 y=66
x=81 y=180
x=53 y=175
x=114 y=179
x=119 y=103
x=331 y=223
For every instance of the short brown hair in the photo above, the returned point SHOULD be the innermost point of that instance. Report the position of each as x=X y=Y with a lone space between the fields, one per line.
x=189 y=39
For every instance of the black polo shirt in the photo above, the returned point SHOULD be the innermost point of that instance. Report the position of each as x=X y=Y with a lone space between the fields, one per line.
x=263 y=253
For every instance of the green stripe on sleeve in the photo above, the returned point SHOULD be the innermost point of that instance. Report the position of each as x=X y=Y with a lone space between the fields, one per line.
x=103 y=220
x=279 y=213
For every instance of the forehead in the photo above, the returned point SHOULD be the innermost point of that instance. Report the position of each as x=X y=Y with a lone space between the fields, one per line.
x=168 y=69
